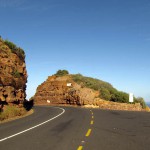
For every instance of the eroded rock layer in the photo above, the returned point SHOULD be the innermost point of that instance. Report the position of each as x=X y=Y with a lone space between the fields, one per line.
x=62 y=90
x=13 y=75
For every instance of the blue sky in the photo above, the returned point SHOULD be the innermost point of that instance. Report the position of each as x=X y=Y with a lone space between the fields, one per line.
x=104 y=39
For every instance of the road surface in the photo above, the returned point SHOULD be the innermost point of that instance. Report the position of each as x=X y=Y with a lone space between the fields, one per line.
x=70 y=128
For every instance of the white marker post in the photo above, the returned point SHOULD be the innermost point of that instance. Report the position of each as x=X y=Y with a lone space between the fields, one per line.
x=131 y=97
x=48 y=101
x=69 y=84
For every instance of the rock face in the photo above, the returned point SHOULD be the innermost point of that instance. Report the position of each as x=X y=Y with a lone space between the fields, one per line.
x=13 y=75
x=63 y=90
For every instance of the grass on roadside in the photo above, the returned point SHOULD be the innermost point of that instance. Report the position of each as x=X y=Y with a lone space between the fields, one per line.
x=11 y=112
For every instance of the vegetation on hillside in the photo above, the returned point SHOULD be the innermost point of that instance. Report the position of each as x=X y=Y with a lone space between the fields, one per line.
x=106 y=90
x=61 y=73
x=11 y=112
x=141 y=101
x=14 y=49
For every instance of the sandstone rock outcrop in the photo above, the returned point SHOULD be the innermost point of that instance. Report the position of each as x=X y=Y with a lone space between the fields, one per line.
x=63 y=90
x=13 y=75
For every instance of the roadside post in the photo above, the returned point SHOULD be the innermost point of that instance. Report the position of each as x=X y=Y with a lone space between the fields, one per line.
x=130 y=97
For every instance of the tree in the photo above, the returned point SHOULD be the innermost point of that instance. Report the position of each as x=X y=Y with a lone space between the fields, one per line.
x=61 y=73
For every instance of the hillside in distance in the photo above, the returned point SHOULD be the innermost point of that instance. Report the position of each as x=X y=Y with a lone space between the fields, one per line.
x=76 y=89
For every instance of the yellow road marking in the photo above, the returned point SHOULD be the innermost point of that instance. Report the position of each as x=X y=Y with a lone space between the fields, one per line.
x=88 y=132
x=80 y=148
x=92 y=117
x=92 y=113
x=92 y=122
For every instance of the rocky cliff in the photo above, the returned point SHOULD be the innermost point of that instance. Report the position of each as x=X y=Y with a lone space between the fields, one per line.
x=13 y=74
x=63 y=90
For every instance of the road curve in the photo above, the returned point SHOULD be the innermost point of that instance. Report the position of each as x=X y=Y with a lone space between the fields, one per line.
x=77 y=129
x=33 y=127
x=62 y=133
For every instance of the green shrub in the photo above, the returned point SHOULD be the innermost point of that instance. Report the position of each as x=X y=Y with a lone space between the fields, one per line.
x=90 y=82
x=105 y=94
x=17 y=50
x=61 y=73
x=11 y=45
x=119 y=96
x=141 y=101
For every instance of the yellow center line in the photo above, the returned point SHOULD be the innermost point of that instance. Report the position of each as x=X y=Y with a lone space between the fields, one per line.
x=92 y=122
x=80 y=148
x=88 y=132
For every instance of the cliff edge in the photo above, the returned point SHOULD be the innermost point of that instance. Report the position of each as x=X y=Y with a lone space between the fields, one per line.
x=13 y=74
x=68 y=90
x=63 y=90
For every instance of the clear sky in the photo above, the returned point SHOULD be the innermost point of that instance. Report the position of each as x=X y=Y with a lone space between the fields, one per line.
x=104 y=39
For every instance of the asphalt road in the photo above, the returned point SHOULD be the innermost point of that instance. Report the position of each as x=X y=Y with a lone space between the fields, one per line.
x=77 y=129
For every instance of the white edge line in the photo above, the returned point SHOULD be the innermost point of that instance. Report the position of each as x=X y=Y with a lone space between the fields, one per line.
x=1 y=140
